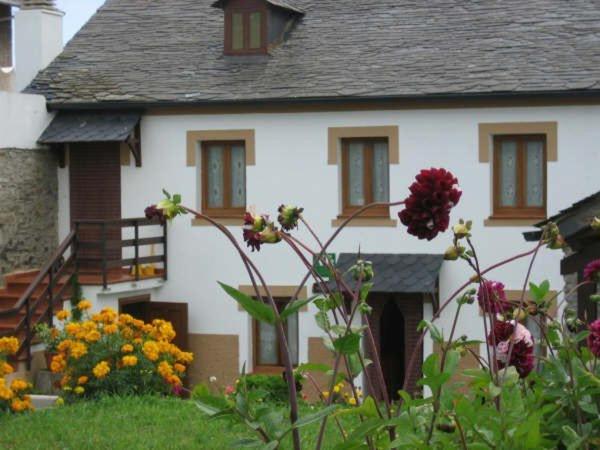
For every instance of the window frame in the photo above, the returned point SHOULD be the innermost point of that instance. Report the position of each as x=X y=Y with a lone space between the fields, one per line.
x=246 y=12
x=368 y=150
x=227 y=211
x=281 y=302
x=521 y=211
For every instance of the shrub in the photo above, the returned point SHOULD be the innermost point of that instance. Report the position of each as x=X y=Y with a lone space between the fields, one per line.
x=110 y=354
x=271 y=388
x=14 y=396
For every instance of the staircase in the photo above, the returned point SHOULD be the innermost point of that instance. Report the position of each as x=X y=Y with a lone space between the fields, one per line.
x=94 y=257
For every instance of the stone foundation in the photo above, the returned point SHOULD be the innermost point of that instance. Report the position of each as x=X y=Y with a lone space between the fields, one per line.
x=29 y=212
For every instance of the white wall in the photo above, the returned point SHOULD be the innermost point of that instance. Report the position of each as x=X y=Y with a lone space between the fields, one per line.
x=23 y=118
x=291 y=167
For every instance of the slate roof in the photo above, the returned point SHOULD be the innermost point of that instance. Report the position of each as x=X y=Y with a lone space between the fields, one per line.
x=398 y=273
x=172 y=52
x=280 y=3
x=89 y=127
x=572 y=221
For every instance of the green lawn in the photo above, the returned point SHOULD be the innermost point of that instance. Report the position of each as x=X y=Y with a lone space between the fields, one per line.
x=129 y=423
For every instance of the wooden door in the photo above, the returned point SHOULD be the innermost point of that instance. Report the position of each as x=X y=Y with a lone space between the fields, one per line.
x=95 y=191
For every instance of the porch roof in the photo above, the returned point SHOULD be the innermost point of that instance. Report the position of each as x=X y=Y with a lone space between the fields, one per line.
x=68 y=127
x=398 y=273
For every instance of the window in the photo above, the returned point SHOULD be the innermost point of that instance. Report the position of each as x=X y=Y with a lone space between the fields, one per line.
x=266 y=345
x=365 y=175
x=245 y=31
x=519 y=176
x=224 y=178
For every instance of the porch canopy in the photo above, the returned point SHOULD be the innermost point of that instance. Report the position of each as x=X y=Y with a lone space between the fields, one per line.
x=86 y=127
x=396 y=273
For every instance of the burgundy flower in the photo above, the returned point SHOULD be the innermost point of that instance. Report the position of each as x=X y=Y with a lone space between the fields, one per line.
x=258 y=230
x=492 y=298
x=593 y=339
x=152 y=212
x=592 y=271
x=521 y=356
x=427 y=209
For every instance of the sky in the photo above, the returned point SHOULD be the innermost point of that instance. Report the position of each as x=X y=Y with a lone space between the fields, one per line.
x=77 y=13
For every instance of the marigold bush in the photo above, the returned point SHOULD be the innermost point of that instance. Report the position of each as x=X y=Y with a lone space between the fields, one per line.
x=107 y=353
x=14 y=395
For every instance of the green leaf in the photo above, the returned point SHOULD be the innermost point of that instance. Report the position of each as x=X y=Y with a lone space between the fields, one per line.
x=207 y=409
x=257 y=309
x=247 y=443
x=322 y=321
x=348 y=344
x=364 y=291
x=451 y=363
x=316 y=417
x=177 y=199
x=313 y=367
x=294 y=307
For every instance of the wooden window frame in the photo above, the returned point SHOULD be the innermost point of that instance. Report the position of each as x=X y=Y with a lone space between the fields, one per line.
x=253 y=7
x=347 y=209
x=266 y=368
x=227 y=211
x=520 y=211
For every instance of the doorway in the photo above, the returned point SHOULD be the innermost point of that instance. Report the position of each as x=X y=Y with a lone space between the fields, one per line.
x=142 y=308
x=392 y=347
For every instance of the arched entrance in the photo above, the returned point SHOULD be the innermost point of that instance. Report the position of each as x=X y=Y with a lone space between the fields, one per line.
x=393 y=349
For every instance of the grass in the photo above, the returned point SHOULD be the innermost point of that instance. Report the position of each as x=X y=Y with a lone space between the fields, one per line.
x=130 y=423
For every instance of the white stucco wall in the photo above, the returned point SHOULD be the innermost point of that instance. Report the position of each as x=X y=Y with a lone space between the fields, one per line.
x=23 y=118
x=291 y=167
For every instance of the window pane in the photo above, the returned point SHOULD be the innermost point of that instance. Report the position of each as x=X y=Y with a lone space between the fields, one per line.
x=356 y=172
x=381 y=172
x=214 y=175
x=237 y=31
x=292 y=337
x=238 y=176
x=508 y=173
x=255 y=30
x=267 y=345
x=535 y=173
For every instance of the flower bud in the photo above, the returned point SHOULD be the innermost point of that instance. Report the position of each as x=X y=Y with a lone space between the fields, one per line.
x=462 y=230
x=519 y=314
x=453 y=253
x=363 y=270
x=532 y=309
x=270 y=235
x=288 y=216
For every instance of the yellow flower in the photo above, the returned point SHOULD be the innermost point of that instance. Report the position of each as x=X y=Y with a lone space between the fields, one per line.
x=78 y=349
x=19 y=385
x=93 y=336
x=185 y=357
x=181 y=368
x=151 y=350
x=6 y=393
x=84 y=305
x=9 y=345
x=82 y=380
x=129 y=360
x=62 y=315
x=164 y=369
x=5 y=369
x=325 y=394
x=337 y=388
x=58 y=364
x=101 y=370
x=110 y=329
x=127 y=348
x=59 y=401
x=64 y=345
x=79 y=390
x=352 y=401
x=72 y=328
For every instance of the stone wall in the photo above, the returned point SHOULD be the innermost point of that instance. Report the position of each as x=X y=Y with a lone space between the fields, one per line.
x=29 y=211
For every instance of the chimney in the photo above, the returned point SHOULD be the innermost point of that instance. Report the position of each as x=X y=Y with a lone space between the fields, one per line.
x=38 y=38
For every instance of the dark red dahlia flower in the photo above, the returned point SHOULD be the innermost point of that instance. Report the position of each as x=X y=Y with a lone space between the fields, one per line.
x=152 y=212
x=492 y=298
x=258 y=230
x=502 y=332
x=593 y=340
x=592 y=271
x=522 y=358
x=427 y=210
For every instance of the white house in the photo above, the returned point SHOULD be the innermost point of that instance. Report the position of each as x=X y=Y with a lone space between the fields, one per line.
x=328 y=105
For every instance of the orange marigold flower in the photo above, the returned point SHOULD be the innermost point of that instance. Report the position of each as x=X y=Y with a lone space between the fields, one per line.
x=62 y=315
x=93 y=336
x=110 y=329
x=5 y=369
x=164 y=369
x=186 y=357
x=78 y=349
x=101 y=370
x=9 y=345
x=84 y=305
x=129 y=360
x=64 y=381
x=127 y=348
x=179 y=367
x=151 y=350
x=58 y=363
x=82 y=380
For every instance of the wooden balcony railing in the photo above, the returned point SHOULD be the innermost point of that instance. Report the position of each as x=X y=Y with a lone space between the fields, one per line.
x=93 y=247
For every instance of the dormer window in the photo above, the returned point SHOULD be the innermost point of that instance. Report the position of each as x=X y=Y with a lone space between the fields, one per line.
x=253 y=27
x=246 y=30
